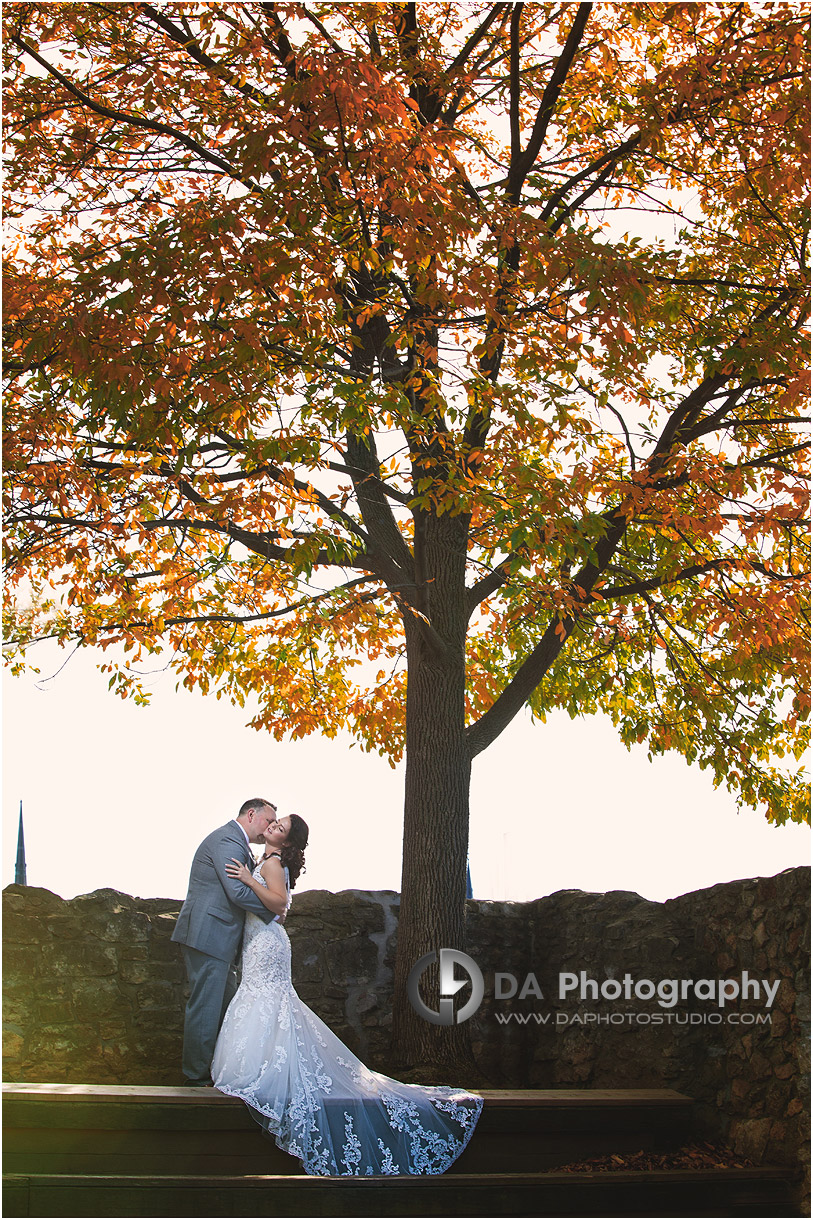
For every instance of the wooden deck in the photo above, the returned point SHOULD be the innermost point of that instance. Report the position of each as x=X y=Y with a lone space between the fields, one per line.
x=129 y=1150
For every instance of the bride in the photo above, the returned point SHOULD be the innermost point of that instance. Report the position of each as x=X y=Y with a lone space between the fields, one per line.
x=303 y=1085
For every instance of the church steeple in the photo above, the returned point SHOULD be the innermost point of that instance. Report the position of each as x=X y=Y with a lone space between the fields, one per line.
x=19 y=872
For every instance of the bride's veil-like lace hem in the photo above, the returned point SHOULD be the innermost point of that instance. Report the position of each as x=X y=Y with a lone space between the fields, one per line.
x=313 y=1095
x=347 y=1137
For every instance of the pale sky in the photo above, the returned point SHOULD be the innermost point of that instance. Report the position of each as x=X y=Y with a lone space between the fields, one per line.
x=119 y=796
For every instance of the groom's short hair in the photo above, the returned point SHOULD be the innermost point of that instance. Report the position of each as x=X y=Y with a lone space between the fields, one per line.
x=256 y=802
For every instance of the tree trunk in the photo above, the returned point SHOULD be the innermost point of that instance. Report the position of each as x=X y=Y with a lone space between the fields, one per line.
x=436 y=803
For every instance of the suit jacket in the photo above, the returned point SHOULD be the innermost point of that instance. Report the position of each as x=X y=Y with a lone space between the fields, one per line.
x=212 y=916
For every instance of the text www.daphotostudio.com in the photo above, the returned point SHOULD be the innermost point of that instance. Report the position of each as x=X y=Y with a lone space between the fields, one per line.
x=666 y=993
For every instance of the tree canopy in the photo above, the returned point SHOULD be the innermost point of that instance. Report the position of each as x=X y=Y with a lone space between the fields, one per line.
x=289 y=283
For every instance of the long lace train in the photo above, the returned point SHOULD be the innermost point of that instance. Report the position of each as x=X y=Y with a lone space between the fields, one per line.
x=311 y=1093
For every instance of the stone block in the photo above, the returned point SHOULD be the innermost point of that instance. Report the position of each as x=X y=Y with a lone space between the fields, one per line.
x=157 y=995
x=116 y=1056
x=173 y=973
x=77 y=959
x=352 y=960
x=760 y=934
x=760 y=1067
x=778 y=1135
x=31 y=899
x=749 y=1137
x=106 y=901
x=160 y=906
x=366 y=1002
x=131 y=972
x=92 y=998
x=162 y=949
x=52 y=1012
x=112 y=1029
x=19 y=928
x=19 y=1010
x=61 y=1044
x=161 y=1047
x=134 y=953
x=22 y=963
x=127 y=927
x=307 y=959
x=13 y=1048
x=785 y=997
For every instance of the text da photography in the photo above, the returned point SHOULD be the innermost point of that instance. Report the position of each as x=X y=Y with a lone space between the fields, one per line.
x=506 y=986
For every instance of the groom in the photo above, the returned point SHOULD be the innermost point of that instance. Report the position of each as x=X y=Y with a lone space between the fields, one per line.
x=210 y=927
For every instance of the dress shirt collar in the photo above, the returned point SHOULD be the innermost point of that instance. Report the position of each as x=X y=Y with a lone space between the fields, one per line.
x=243 y=829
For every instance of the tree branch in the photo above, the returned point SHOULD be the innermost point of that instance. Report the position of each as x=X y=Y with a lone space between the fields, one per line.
x=476 y=37
x=182 y=620
x=135 y=120
x=533 y=669
x=487 y=585
x=283 y=479
x=385 y=538
x=611 y=157
x=660 y=582
x=514 y=86
x=520 y=169
x=769 y=459
x=194 y=50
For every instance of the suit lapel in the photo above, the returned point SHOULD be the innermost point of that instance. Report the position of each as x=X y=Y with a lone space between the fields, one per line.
x=236 y=835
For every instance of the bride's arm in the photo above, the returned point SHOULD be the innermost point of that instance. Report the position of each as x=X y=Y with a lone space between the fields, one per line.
x=275 y=897
x=274 y=875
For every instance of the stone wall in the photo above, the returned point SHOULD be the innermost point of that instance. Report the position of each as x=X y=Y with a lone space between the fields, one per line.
x=94 y=989
x=94 y=992
x=751 y=1079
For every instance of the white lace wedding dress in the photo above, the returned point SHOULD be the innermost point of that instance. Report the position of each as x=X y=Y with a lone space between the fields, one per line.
x=312 y=1094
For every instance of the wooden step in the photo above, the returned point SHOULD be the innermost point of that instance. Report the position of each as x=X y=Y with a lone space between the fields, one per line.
x=104 y=1150
x=104 y=1129
x=734 y=1192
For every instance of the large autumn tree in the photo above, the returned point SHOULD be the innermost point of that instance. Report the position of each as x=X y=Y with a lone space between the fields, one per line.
x=403 y=365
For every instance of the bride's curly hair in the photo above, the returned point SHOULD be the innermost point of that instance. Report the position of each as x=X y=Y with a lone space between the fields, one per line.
x=292 y=851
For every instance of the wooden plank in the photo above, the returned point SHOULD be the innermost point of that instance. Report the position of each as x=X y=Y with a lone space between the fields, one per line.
x=212 y=1164
x=418 y=1181
x=165 y=1094
x=665 y=1193
x=29 y=1141
x=44 y=1115
x=530 y=1128
x=82 y=1152
x=180 y=1095
x=16 y=1197
x=41 y=1114
x=498 y=1097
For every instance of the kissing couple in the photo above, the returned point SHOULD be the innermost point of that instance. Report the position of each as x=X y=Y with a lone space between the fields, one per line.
x=258 y=1041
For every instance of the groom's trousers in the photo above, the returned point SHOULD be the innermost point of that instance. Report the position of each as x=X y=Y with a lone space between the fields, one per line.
x=212 y=983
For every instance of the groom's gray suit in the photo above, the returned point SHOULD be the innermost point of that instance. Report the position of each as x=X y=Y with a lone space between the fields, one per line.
x=210 y=928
